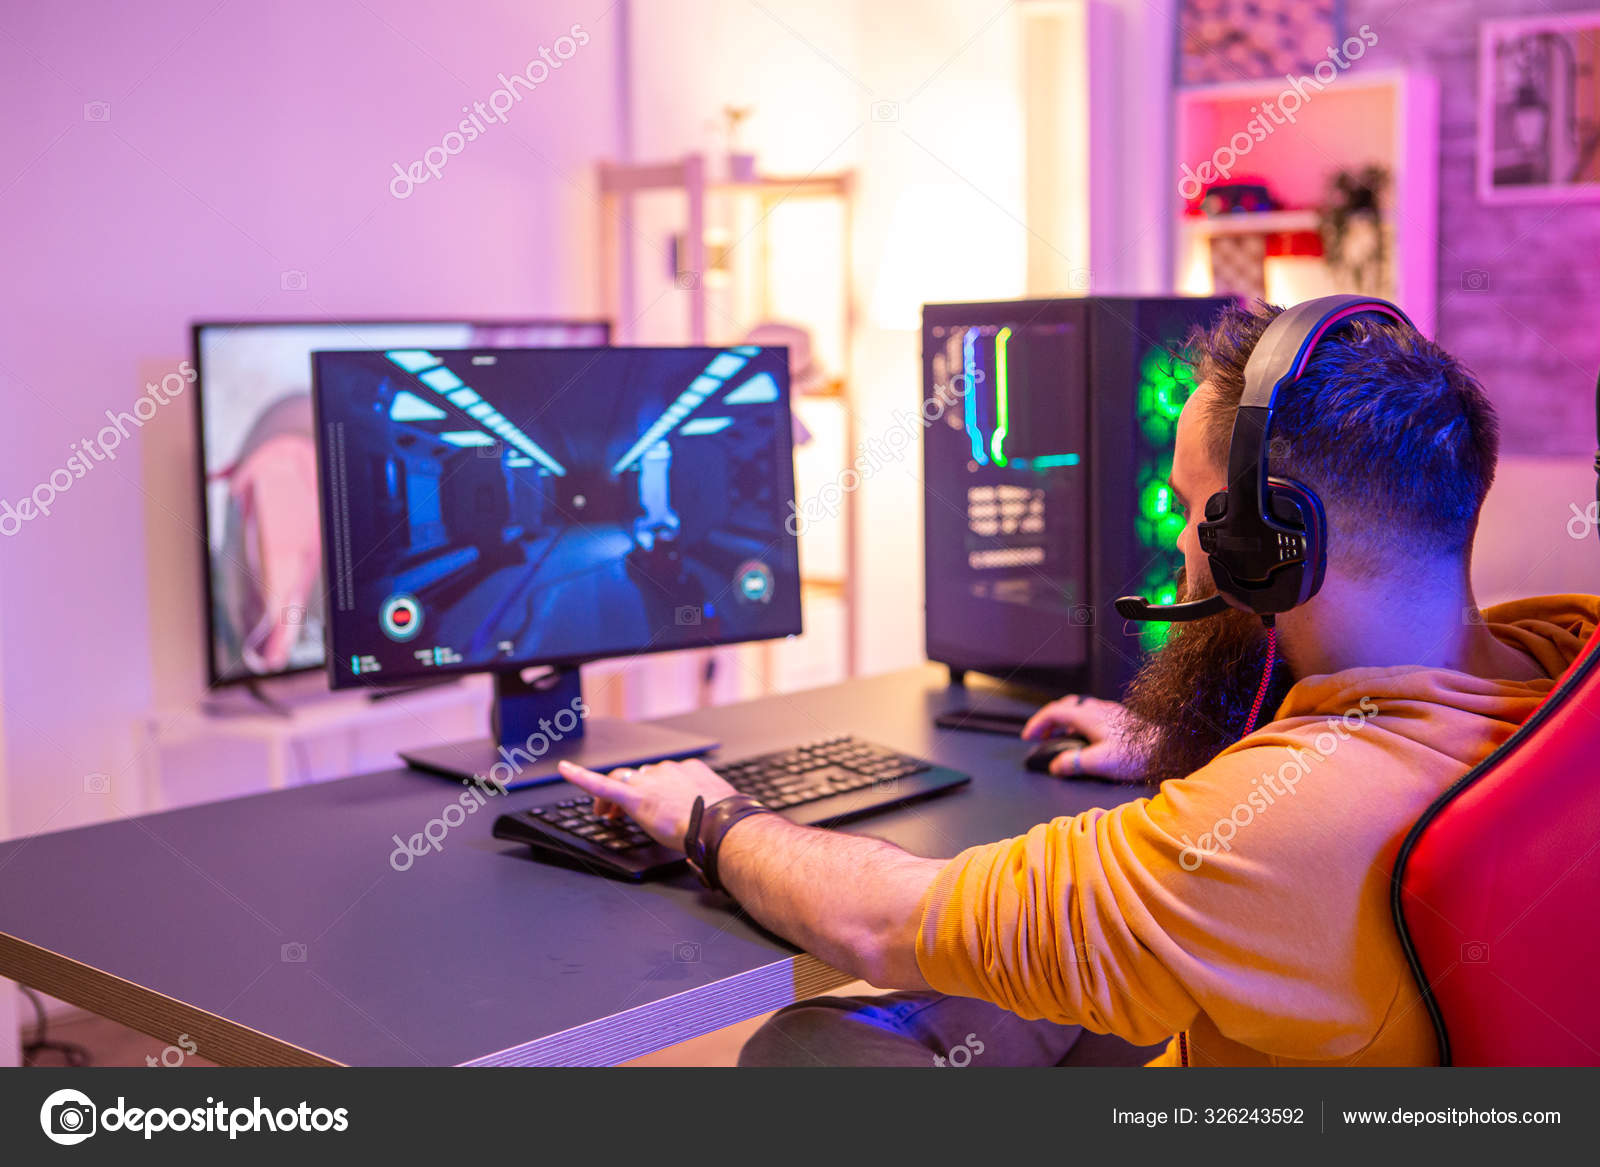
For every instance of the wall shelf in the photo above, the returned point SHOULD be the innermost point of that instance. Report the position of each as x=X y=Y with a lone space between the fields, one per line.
x=1384 y=117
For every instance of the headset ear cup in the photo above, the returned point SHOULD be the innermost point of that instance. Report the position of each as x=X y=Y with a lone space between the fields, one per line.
x=1298 y=507
x=1217 y=506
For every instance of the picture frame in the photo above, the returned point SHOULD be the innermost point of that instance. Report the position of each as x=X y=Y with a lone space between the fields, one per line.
x=1539 y=109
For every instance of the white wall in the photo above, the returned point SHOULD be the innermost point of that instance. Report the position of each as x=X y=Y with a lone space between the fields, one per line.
x=926 y=101
x=923 y=101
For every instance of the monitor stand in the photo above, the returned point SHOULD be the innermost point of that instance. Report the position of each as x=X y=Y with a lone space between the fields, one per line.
x=537 y=723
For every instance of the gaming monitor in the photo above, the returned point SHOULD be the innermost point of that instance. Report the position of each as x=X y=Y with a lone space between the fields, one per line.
x=491 y=509
x=263 y=585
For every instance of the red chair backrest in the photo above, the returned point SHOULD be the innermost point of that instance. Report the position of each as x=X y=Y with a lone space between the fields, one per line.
x=1496 y=891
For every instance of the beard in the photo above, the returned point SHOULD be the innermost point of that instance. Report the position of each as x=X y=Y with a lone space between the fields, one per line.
x=1192 y=697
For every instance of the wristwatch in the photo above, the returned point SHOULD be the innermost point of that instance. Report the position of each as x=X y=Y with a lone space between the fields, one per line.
x=707 y=828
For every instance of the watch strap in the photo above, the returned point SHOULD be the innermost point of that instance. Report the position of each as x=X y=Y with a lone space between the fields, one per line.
x=708 y=826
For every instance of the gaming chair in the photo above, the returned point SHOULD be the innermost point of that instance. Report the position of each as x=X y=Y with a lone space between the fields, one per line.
x=1496 y=890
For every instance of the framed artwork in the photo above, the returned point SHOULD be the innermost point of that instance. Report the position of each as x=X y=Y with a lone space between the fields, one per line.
x=1220 y=41
x=1539 y=109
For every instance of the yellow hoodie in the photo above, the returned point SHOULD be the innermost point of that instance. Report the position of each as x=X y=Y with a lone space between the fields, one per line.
x=1247 y=904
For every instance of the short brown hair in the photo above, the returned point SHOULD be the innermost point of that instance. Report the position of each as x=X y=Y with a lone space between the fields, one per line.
x=1395 y=434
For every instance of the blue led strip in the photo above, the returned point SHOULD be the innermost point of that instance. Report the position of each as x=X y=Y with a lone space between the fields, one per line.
x=969 y=352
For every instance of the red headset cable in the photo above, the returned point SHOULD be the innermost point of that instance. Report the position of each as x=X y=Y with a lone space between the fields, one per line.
x=1266 y=674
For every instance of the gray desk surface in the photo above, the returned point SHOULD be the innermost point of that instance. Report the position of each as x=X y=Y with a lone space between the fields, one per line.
x=272 y=929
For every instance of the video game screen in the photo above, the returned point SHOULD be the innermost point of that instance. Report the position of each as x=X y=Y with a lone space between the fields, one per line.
x=487 y=509
x=258 y=469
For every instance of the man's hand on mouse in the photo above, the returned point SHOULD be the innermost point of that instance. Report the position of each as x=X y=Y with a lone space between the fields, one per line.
x=1104 y=723
x=657 y=797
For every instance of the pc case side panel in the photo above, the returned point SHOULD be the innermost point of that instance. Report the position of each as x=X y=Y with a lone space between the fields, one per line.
x=1005 y=489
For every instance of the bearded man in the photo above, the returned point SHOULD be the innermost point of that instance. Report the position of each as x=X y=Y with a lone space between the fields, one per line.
x=1239 y=912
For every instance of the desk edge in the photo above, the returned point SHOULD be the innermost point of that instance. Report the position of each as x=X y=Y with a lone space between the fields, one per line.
x=218 y=1039
x=657 y=1025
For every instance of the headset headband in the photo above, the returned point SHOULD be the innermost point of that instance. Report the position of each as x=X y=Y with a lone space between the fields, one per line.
x=1279 y=359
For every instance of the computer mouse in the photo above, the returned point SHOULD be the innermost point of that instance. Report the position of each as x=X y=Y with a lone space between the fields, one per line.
x=1040 y=757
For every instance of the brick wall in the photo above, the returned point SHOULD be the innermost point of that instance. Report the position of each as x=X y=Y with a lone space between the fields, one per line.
x=1533 y=333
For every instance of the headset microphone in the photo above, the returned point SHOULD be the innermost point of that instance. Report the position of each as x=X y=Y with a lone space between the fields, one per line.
x=1139 y=608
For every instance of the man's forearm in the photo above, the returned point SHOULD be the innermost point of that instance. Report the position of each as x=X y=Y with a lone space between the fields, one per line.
x=852 y=902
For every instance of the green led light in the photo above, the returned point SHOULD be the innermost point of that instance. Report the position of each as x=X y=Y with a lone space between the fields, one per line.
x=1158 y=431
x=1155 y=500
x=1165 y=383
x=1002 y=397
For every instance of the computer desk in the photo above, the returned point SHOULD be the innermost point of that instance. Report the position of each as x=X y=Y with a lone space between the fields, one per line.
x=273 y=930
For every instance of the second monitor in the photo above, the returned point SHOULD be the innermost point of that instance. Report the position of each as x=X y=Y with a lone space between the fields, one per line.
x=488 y=510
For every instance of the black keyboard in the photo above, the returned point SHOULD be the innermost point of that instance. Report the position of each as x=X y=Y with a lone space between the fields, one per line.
x=817 y=784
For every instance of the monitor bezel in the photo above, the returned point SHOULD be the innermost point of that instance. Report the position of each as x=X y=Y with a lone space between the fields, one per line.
x=214 y=679
x=432 y=672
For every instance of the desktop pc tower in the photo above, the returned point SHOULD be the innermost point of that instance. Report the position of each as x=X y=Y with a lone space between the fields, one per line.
x=1048 y=437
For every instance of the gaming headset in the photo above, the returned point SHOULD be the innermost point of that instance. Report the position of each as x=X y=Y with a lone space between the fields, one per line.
x=1266 y=536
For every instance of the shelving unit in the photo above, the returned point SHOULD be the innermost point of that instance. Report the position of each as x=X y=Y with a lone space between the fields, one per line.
x=738 y=263
x=1388 y=118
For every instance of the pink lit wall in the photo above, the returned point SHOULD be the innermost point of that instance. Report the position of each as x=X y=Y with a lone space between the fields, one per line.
x=163 y=162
